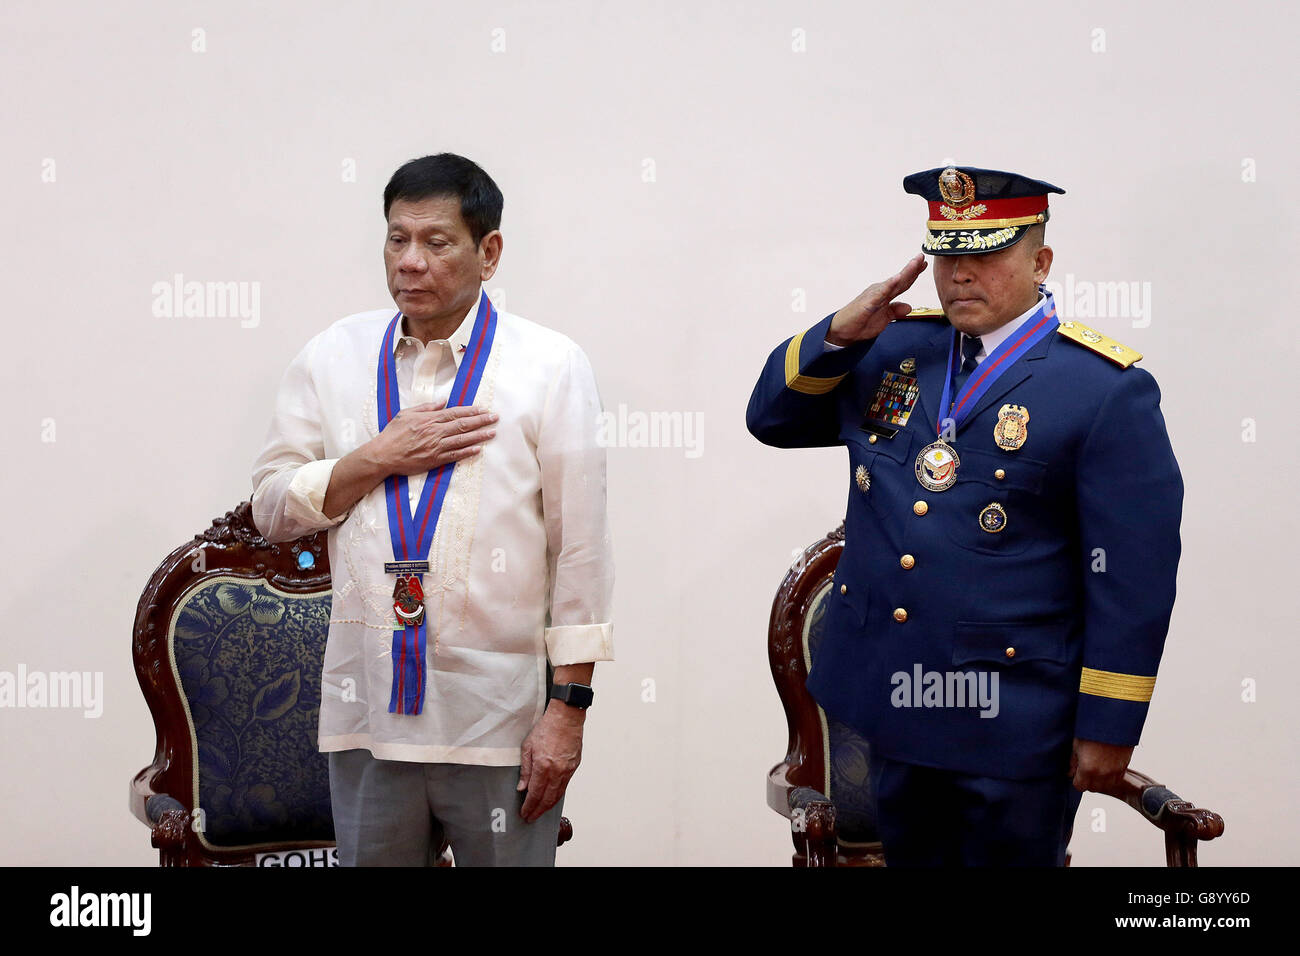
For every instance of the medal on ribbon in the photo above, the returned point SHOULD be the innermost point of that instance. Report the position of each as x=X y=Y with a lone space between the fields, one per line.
x=412 y=532
x=937 y=464
x=408 y=595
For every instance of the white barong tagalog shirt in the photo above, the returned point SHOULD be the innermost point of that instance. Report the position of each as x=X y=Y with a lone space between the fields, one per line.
x=521 y=565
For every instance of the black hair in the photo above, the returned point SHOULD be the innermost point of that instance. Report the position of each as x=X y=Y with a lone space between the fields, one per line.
x=447 y=174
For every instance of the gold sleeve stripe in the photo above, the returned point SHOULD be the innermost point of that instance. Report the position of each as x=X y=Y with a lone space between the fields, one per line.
x=808 y=384
x=1118 y=686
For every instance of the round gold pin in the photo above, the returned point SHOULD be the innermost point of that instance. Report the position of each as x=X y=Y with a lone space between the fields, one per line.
x=993 y=518
x=907 y=366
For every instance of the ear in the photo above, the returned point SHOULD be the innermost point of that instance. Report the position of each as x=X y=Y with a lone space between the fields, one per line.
x=1042 y=264
x=489 y=254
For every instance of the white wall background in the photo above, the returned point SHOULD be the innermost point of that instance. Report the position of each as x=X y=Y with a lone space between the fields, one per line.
x=779 y=133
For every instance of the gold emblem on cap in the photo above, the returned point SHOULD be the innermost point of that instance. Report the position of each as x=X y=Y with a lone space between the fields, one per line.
x=1012 y=428
x=955 y=215
x=956 y=188
x=863 y=479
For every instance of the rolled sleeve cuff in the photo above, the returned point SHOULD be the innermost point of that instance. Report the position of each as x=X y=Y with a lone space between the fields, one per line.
x=579 y=644
x=306 y=495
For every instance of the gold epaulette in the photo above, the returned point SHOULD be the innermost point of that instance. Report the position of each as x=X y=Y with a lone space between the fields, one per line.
x=925 y=314
x=1121 y=355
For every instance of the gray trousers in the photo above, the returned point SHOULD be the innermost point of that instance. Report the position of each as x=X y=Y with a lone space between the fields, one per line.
x=397 y=813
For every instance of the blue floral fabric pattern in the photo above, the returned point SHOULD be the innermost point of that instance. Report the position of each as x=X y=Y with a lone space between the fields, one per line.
x=249 y=659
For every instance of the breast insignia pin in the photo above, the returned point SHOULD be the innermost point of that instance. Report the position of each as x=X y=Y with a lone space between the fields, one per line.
x=863 y=479
x=1012 y=428
x=993 y=518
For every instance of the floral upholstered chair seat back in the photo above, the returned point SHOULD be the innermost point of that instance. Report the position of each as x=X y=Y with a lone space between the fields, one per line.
x=248 y=660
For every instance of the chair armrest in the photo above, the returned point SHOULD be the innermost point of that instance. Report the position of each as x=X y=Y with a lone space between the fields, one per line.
x=1166 y=809
x=160 y=803
x=172 y=830
x=811 y=815
x=778 y=790
x=805 y=799
x=1184 y=824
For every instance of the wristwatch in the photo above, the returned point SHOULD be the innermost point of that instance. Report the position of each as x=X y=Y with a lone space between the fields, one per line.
x=575 y=695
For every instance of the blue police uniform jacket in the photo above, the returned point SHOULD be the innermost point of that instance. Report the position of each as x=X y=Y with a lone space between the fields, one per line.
x=1066 y=607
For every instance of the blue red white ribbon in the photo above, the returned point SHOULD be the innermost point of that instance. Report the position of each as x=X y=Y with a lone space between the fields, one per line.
x=412 y=533
x=1030 y=332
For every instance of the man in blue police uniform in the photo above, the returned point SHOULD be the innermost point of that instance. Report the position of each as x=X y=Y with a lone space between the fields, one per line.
x=1011 y=541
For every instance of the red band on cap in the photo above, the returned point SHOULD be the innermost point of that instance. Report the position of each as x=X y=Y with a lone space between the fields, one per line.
x=992 y=209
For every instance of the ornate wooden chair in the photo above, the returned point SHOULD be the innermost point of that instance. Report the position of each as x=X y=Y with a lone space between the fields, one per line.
x=822 y=786
x=228 y=646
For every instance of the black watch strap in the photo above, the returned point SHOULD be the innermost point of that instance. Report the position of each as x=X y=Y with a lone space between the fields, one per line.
x=575 y=695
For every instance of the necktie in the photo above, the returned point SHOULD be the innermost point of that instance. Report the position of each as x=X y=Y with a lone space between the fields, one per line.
x=970 y=346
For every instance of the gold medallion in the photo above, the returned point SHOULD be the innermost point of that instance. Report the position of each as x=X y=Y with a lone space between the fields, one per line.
x=1012 y=428
x=956 y=188
x=907 y=366
x=936 y=466
x=863 y=479
x=993 y=518
x=408 y=601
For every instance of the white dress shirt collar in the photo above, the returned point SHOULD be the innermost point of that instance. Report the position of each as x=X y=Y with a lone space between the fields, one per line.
x=458 y=339
x=991 y=340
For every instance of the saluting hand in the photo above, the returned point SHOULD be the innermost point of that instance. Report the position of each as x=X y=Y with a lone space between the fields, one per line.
x=874 y=308
x=424 y=437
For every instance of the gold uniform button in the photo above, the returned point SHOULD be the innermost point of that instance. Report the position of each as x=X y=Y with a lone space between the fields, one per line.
x=920 y=507
x=871 y=439
x=900 y=614
x=1011 y=652
x=907 y=561
x=844 y=589
x=999 y=474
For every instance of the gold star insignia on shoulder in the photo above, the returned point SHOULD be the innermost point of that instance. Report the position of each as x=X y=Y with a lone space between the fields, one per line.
x=1121 y=355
